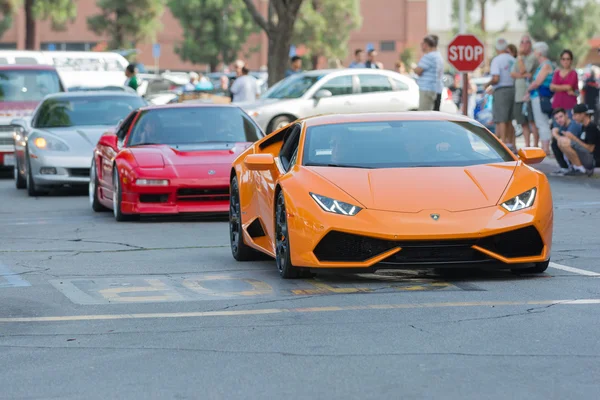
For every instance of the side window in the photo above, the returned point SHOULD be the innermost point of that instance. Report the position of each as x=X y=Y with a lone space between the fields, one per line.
x=124 y=128
x=370 y=83
x=342 y=85
x=287 y=155
x=399 y=85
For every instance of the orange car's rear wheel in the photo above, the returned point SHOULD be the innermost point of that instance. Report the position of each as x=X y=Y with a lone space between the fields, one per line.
x=240 y=250
x=283 y=253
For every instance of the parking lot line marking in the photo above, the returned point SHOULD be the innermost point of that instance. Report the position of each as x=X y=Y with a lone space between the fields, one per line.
x=12 y=279
x=574 y=270
x=232 y=313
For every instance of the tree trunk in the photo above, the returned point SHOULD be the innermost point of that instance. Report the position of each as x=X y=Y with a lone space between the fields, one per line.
x=315 y=61
x=213 y=66
x=482 y=3
x=279 y=50
x=30 y=26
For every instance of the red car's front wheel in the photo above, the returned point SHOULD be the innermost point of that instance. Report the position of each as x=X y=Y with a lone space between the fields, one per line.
x=117 y=200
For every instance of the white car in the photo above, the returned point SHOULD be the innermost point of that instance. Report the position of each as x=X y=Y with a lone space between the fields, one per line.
x=351 y=90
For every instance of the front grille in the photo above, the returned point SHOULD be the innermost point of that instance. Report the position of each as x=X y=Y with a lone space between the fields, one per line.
x=154 y=198
x=79 y=172
x=7 y=128
x=203 y=194
x=523 y=242
x=345 y=247
x=7 y=141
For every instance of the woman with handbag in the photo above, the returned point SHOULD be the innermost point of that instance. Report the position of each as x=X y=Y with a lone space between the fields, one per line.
x=541 y=95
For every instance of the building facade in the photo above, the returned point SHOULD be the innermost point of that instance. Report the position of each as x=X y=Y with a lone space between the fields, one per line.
x=389 y=26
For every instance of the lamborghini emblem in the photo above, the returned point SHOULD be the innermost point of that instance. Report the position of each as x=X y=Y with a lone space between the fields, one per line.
x=435 y=216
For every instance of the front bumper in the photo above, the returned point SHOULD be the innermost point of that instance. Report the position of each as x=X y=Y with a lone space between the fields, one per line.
x=376 y=239
x=67 y=169
x=181 y=196
x=7 y=148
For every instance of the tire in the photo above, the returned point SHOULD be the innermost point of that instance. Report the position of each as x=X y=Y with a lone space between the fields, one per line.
x=32 y=189
x=20 y=181
x=93 y=190
x=279 y=122
x=239 y=250
x=117 y=199
x=539 y=268
x=283 y=257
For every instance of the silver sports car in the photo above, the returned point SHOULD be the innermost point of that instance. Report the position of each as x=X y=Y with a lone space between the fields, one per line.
x=55 y=148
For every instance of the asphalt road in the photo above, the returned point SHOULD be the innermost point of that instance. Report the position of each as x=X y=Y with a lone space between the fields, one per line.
x=95 y=309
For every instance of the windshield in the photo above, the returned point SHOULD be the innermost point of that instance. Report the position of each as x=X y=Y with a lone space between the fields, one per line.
x=86 y=111
x=191 y=126
x=398 y=144
x=28 y=85
x=292 y=87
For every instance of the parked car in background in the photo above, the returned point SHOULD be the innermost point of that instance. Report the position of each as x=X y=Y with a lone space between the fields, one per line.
x=336 y=91
x=58 y=145
x=22 y=88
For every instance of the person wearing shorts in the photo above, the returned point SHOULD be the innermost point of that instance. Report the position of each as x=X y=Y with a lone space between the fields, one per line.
x=522 y=72
x=504 y=91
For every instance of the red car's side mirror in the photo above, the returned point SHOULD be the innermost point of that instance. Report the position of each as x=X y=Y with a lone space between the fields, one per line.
x=108 y=140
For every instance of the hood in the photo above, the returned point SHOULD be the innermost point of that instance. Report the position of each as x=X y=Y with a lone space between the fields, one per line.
x=204 y=154
x=84 y=137
x=415 y=189
x=10 y=110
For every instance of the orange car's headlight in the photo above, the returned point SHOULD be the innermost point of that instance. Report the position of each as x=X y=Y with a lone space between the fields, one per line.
x=521 y=201
x=334 y=206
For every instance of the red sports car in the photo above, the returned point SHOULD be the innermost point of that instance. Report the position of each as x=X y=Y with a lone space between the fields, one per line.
x=170 y=159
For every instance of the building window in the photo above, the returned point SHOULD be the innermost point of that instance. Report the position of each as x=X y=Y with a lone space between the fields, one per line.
x=8 y=46
x=69 y=46
x=388 y=45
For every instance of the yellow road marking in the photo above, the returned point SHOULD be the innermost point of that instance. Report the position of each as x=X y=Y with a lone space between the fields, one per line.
x=258 y=287
x=114 y=294
x=231 y=313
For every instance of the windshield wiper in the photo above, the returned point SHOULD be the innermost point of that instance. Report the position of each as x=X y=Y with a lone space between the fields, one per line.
x=339 y=165
x=145 y=144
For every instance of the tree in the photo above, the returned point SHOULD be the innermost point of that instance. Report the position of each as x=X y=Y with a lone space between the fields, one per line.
x=477 y=28
x=127 y=22
x=279 y=27
x=8 y=9
x=562 y=24
x=324 y=26
x=214 y=30
x=408 y=56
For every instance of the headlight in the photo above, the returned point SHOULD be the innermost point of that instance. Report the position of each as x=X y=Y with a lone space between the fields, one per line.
x=521 y=201
x=44 y=143
x=335 y=206
x=152 y=182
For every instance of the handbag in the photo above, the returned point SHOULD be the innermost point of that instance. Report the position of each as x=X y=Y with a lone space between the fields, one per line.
x=546 y=103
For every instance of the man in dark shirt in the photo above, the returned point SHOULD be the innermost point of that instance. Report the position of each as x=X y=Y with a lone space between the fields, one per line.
x=584 y=152
x=561 y=125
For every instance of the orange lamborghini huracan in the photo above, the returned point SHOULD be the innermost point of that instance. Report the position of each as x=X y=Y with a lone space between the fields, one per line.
x=389 y=190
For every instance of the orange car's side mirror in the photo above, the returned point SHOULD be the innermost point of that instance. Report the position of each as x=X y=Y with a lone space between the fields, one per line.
x=259 y=162
x=532 y=155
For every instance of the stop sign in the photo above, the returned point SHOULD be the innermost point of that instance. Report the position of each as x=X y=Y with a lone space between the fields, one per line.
x=465 y=53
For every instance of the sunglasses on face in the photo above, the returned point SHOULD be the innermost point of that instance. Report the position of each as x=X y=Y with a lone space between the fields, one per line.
x=566 y=59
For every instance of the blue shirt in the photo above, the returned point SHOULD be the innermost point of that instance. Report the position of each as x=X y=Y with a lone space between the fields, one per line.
x=433 y=71
x=291 y=72
x=573 y=127
x=545 y=87
x=355 y=64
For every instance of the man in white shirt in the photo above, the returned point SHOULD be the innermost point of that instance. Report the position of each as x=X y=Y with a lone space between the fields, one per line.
x=244 y=88
x=504 y=90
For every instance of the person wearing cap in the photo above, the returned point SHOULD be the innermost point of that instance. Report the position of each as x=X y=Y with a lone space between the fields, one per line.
x=504 y=91
x=584 y=152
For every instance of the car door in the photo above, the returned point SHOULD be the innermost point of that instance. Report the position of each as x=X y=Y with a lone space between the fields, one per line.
x=343 y=99
x=266 y=180
x=107 y=154
x=377 y=94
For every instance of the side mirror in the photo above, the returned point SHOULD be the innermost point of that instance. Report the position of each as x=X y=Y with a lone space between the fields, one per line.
x=321 y=94
x=532 y=155
x=259 y=162
x=108 y=140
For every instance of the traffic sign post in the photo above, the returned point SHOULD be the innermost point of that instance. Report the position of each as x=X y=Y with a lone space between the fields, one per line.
x=466 y=53
x=156 y=54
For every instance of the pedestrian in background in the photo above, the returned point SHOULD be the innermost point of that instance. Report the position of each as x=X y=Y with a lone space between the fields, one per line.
x=440 y=83
x=295 y=66
x=522 y=72
x=244 y=88
x=371 y=62
x=358 y=59
x=131 y=74
x=540 y=94
x=565 y=84
x=430 y=70
x=504 y=92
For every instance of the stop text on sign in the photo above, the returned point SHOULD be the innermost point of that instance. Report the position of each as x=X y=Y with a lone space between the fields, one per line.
x=466 y=53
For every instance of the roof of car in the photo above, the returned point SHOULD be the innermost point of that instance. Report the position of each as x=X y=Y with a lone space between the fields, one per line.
x=383 y=116
x=187 y=105
x=27 y=67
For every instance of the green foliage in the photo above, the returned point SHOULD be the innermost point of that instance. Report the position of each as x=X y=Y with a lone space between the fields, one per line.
x=474 y=27
x=408 y=56
x=127 y=22
x=324 y=26
x=562 y=24
x=214 y=30
x=59 y=12
x=8 y=9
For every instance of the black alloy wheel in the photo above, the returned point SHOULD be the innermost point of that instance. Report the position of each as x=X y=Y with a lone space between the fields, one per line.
x=240 y=250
